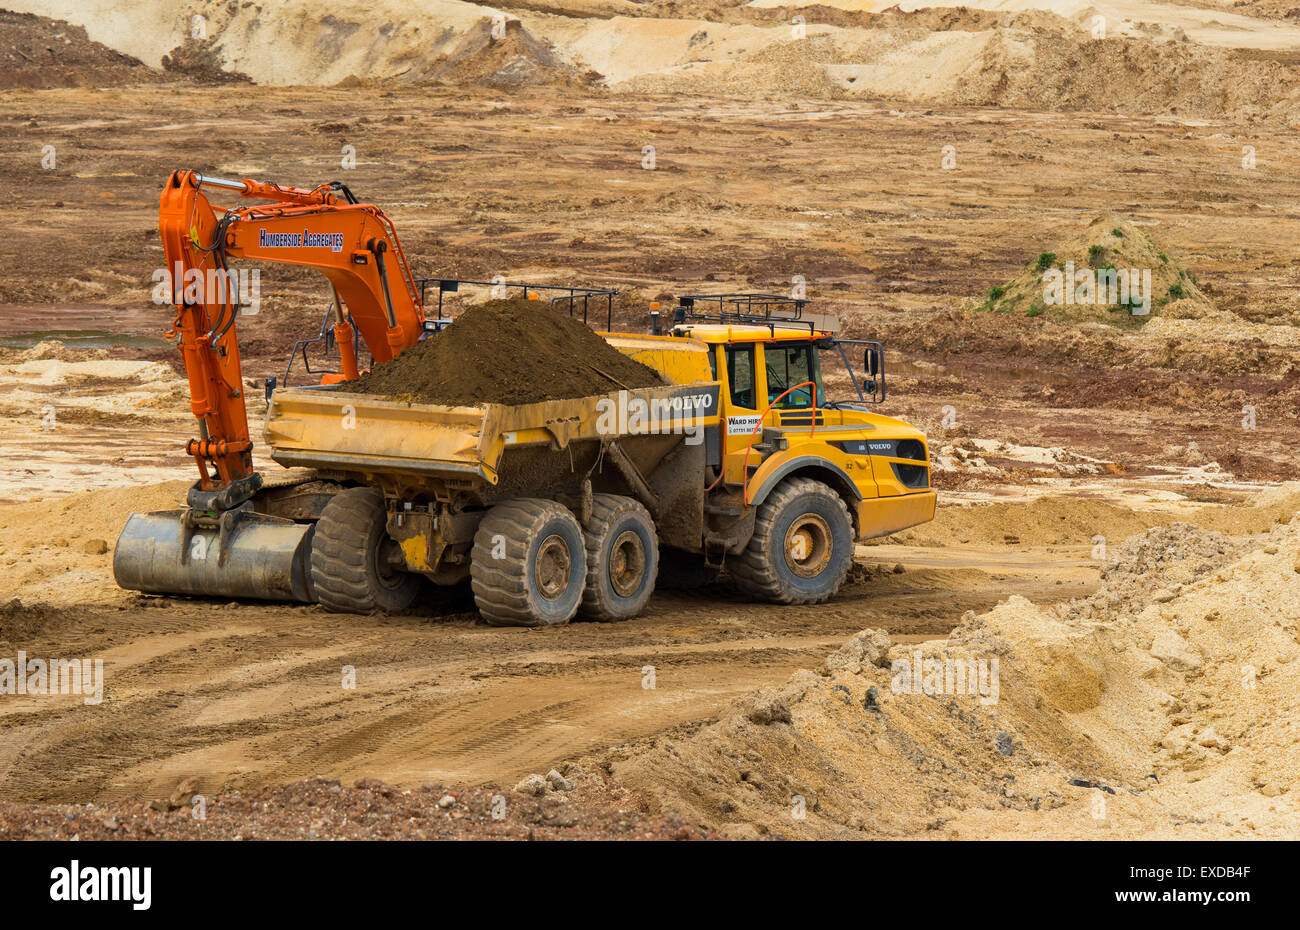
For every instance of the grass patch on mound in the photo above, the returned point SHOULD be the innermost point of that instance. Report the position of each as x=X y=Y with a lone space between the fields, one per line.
x=1112 y=272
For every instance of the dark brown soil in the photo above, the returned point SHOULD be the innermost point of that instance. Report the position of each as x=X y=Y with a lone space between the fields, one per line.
x=507 y=352
x=39 y=52
x=201 y=61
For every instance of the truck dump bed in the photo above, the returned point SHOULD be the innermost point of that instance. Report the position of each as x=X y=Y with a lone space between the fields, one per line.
x=428 y=445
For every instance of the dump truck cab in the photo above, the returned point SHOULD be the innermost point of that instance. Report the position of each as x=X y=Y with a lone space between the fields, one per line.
x=777 y=420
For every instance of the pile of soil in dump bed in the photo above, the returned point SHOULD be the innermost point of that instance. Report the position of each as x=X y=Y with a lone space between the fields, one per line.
x=506 y=352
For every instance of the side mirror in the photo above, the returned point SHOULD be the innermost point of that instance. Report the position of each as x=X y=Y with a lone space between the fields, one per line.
x=873 y=366
x=871 y=361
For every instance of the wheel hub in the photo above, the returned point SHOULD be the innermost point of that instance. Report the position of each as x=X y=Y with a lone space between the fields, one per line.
x=808 y=545
x=626 y=563
x=389 y=564
x=553 y=566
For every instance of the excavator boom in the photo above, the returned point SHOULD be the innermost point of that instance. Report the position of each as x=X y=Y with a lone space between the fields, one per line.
x=220 y=545
x=354 y=245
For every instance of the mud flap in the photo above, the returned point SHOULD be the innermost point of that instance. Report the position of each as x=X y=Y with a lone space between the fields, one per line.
x=248 y=555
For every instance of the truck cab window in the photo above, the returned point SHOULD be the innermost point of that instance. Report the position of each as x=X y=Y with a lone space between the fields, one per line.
x=788 y=365
x=740 y=376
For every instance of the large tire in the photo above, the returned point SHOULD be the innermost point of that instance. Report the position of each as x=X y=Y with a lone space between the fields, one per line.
x=351 y=569
x=802 y=545
x=622 y=558
x=529 y=564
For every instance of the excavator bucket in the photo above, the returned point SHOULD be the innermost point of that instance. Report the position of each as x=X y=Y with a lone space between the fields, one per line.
x=247 y=555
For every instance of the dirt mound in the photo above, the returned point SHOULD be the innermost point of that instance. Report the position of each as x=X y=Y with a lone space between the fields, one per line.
x=1149 y=710
x=200 y=60
x=49 y=554
x=507 y=352
x=1060 y=66
x=1112 y=272
x=518 y=58
x=1274 y=9
x=43 y=53
x=1030 y=59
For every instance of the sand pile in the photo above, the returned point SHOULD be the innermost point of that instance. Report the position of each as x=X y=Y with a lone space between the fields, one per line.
x=1021 y=58
x=41 y=53
x=56 y=553
x=1056 y=64
x=1028 y=58
x=507 y=352
x=1167 y=705
x=1119 y=276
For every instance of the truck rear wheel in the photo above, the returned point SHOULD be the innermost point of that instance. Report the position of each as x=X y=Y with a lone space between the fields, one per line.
x=353 y=557
x=529 y=564
x=622 y=558
x=802 y=545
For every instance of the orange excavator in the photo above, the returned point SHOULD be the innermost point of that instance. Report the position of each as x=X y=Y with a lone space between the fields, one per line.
x=324 y=228
x=355 y=246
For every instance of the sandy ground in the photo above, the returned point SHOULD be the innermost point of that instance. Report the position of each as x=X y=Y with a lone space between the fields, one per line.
x=252 y=694
x=1053 y=441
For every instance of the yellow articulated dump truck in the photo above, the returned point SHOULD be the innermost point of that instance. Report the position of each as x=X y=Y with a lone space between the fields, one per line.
x=575 y=507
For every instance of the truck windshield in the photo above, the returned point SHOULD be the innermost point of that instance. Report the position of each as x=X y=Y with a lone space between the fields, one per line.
x=788 y=365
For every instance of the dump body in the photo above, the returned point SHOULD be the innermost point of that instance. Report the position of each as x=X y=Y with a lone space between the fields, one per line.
x=432 y=450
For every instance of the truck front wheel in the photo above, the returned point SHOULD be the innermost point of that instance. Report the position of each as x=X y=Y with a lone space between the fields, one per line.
x=529 y=564
x=622 y=558
x=802 y=545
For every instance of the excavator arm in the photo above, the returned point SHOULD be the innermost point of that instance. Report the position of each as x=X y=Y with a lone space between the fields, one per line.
x=354 y=245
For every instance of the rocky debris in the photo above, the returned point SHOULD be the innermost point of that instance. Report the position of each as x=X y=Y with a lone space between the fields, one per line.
x=532 y=785
x=869 y=647
x=517 y=58
x=766 y=708
x=200 y=60
x=558 y=782
x=181 y=797
x=323 y=809
x=1154 y=566
x=1172 y=649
